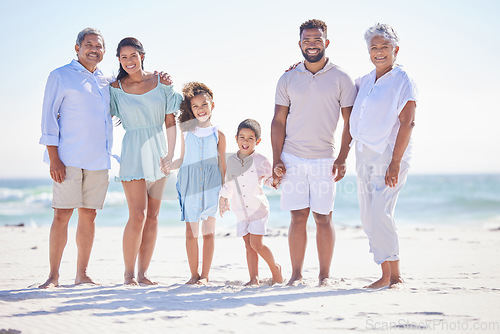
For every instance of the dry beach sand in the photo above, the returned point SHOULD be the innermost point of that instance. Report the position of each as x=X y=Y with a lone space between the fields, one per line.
x=452 y=285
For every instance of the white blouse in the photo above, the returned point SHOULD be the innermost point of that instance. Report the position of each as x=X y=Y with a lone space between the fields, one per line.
x=374 y=120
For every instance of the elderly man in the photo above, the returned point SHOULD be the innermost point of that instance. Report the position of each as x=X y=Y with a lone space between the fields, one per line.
x=77 y=130
x=309 y=101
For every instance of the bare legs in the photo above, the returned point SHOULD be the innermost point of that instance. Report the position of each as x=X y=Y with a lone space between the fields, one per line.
x=59 y=237
x=139 y=236
x=208 y=230
x=84 y=241
x=391 y=276
x=254 y=248
x=325 y=242
x=297 y=241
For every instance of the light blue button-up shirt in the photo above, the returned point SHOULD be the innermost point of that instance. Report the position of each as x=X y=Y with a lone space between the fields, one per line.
x=76 y=117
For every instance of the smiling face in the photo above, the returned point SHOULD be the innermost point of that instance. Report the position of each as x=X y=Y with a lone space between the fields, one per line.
x=313 y=44
x=382 y=53
x=130 y=59
x=202 y=105
x=246 y=141
x=90 y=51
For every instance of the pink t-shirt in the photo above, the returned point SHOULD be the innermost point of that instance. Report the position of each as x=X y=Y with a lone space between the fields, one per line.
x=314 y=102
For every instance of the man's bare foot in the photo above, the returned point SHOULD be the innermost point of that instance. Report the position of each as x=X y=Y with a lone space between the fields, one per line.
x=295 y=281
x=130 y=281
x=193 y=279
x=325 y=281
x=396 y=283
x=253 y=281
x=202 y=281
x=84 y=279
x=277 y=276
x=51 y=282
x=381 y=283
x=146 y=281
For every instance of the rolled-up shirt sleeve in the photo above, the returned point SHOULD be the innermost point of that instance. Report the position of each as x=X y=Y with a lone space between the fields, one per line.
x=408 y=93
x=50 y=111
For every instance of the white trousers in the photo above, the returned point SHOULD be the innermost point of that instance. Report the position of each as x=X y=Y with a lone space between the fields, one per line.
x=377 y=202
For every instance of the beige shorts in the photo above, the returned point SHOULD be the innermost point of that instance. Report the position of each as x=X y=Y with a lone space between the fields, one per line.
x=81 y=188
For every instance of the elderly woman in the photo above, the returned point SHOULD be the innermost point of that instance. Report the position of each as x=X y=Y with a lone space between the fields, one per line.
x=381 y=124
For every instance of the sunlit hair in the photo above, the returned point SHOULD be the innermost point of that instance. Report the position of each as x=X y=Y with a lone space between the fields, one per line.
x=133 y=42
x=313 y=24
x=187 y=120
x=252 y=125
x=383 y=30
x=88 y=31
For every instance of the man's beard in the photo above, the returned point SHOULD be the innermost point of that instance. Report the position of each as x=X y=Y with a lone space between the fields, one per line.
x=315 y=58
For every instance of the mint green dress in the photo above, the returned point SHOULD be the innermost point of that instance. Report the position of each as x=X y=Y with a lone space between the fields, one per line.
x=143 y=118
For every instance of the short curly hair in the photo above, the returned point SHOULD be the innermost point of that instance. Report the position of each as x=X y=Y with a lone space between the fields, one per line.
x=187 y=121
x=313 y=24
x=252 y=125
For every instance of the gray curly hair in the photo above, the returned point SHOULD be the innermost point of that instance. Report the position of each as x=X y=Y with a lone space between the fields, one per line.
x=382 y=30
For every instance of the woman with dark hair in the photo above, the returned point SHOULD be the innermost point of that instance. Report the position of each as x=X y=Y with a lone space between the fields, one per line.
x=143 y=102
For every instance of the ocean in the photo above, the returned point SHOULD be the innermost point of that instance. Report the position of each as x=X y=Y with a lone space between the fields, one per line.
x=425 y=201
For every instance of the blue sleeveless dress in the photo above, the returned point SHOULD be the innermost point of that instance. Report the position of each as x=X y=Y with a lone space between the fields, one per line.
x=199 y=179
x=143 y=117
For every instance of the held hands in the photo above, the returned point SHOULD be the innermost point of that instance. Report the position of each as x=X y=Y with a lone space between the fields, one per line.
x=57 y=170
x=223 y=205
x=278 y=171
x=166 y=165
x=165 y=77
x=339 y=169
x=392 y=173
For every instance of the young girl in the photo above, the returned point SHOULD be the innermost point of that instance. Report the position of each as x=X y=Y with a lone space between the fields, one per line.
x=202 y=169
x=247 y=172
x=144 y=103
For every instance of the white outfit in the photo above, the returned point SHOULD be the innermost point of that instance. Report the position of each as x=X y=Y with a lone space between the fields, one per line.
x=244 y=189
x=374 y=118
x=374 y=125
x=308 y=183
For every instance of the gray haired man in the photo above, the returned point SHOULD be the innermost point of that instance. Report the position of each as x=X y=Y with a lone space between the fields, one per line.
x=77 y=131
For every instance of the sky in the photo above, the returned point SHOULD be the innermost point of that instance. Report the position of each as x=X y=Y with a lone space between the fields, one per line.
x=241 y=48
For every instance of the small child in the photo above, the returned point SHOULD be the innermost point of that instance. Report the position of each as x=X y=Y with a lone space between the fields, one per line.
x=247 y=171
x=202 y=167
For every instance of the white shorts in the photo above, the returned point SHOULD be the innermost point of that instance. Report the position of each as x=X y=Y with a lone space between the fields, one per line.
x=308 y=183
x=257 y=227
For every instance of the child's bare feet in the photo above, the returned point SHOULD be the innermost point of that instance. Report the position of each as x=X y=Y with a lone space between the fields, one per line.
x=295 y=281
x=253 y=281
x=83 y=279
x=194 y=279
x=381 y=283
x=146 y=281
x=130 y=281
x=51 y=282
x=202 y=281
x=277 y=276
